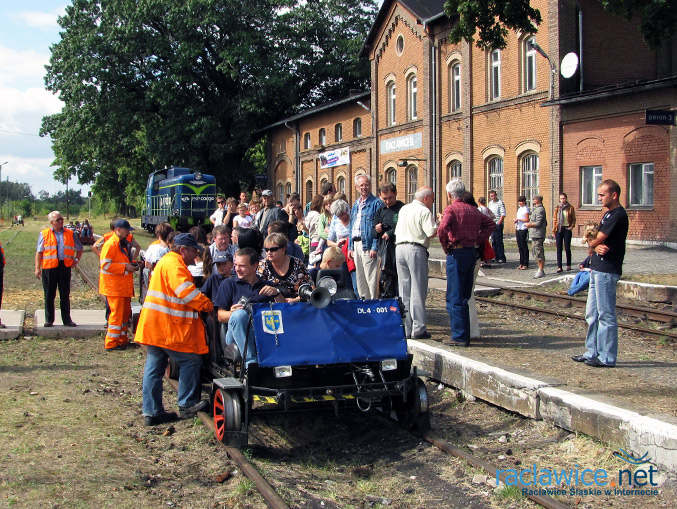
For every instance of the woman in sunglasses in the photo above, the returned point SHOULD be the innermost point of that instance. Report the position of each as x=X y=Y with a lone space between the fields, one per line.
x=286 y=272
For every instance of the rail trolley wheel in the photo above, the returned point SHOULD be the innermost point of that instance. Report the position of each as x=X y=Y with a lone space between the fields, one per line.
x=227 y=411
x=413 y=414
x=172 y=370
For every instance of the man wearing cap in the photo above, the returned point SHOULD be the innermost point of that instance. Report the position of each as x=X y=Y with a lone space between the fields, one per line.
x=57 y=251
x=116 y=283
x=171 y=327
x=269 y=213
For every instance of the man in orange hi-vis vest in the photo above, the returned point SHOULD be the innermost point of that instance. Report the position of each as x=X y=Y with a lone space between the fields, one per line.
x=171 y=327
x=57 y=251
x=116 y=282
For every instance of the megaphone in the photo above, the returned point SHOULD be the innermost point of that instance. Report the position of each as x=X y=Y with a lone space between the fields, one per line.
x=319 y=297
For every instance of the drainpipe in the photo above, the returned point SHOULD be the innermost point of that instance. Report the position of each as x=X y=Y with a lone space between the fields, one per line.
x=580 y=46
x=432 y=160
x=297 y=156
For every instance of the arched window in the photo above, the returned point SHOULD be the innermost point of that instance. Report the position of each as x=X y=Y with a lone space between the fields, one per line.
x=454 y=170
x=390 y=105
x=412 y=92
x=323 y=137
x=338 y=133
x=323 y=182
x=495 y=171
x=412 y=182
x=306 y=141
x=309 y=190
x=357 y=128
x=529 y=65
x=529 y=176
x=341 y=185
x=288 y=190
x=280 y=192
x=455 y=87
x=391 y=176
x=495 y=74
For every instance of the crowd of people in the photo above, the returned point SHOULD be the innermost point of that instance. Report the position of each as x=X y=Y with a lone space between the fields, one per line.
x=260 y=250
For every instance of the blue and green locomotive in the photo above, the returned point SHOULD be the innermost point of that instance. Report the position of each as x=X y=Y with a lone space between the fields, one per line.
x=180 y=197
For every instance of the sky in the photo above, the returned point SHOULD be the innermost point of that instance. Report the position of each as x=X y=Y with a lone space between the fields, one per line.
x=27 y=30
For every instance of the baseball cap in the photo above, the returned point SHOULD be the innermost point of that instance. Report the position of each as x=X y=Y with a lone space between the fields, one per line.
x=186 y=239
x=223 y=257
x=267 y=192
x=123 y=223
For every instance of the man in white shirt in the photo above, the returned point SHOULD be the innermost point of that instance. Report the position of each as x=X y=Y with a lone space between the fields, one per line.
x=498 y=208
x=217 y=217
x=415 y=227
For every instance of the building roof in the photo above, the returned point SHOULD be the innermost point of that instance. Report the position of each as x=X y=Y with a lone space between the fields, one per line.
x=614 y=91
x=424 y=10
x=361 y=96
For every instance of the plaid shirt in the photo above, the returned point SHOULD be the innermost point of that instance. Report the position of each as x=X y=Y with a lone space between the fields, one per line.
x=464 y=226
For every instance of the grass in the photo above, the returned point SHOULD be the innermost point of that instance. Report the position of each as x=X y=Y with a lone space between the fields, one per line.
x=506 y=493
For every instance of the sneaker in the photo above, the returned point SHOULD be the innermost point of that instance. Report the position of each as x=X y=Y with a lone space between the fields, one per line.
x=48 y=324
x=422 y=335
x=538 y=274
x=70 y=324
x=189 y=412
x=154 y=420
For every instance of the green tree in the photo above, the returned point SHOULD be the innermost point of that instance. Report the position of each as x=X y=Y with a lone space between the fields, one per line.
x=657 y=19
x=153 y=83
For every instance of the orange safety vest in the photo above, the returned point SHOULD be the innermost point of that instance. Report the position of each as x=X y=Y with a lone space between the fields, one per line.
x=113 y=281
x=169 y=318
x=50 y=259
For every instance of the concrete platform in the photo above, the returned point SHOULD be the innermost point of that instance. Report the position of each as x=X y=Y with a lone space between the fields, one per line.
x=14 y=323
x=90 y=323
x=635 y=430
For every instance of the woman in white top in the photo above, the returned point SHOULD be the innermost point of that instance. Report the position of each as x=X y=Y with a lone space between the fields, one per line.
x=312 y=221
x=521 y=231
x=243 y=218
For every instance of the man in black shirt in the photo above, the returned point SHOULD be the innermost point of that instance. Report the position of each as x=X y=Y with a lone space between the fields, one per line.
x=606 y=267
x=385 y=220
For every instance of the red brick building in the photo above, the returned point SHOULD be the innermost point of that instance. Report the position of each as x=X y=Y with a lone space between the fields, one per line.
x=499 y=119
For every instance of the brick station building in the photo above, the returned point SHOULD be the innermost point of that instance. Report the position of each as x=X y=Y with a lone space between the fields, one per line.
x=499 y=119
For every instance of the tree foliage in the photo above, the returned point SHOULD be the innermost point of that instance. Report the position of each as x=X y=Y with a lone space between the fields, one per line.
x=657 y=19
x=492 y=19
x=151 y=83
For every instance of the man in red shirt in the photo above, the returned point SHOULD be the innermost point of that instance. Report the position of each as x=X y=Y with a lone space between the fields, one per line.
x=462 y=230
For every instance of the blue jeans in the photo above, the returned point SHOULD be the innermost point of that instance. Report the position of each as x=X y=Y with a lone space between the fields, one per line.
x=189 y=378
x=460 y=271
x=600 y=313
x=497 y=243
x=580 y=282
x=237 y=333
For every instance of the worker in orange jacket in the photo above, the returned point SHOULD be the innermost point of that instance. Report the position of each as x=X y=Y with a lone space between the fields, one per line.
x=171 y=327
x=116 y=282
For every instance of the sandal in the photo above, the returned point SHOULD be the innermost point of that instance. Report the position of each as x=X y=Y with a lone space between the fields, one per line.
x=568 y=267
x=522 y=267
x=559 y=270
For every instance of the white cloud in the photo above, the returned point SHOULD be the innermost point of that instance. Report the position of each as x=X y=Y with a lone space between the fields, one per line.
x=17 y=66
x=23 y=109
x=37 y=19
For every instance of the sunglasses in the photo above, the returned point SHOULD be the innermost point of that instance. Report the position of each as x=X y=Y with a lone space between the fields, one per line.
x=272 y=249
x=220 y=202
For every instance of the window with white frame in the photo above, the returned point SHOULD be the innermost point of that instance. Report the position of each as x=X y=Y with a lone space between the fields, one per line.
x=341 y=185
x=323 y=137
x=412 y=112
x=495 y=75
x=288 y=190
x=390 y=106
x=306 y=141
x=283 y=146
x=412 y=183
x=529 y=176
x=323 y=182
x=454 y=170
x=455 y=87
x=309 y=190
x=338 y=132
x=529 y=65
x=280 y=192
x=641 y=184
x=591 y=178
x=495 y=171
x=391 y=176
x=357 y=128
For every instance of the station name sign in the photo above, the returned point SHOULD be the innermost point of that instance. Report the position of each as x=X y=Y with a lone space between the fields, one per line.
x=402 y=143
x=660 y=117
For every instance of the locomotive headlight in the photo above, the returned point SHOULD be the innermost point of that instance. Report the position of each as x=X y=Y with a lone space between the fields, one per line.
x=198 y=175
x=175 y=212
x=282 y=371
x=388 y=364
x=329 y=284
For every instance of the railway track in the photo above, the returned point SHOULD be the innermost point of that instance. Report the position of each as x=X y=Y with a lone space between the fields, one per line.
x=559 y=303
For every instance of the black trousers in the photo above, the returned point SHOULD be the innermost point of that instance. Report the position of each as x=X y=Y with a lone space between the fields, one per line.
x=563 y=240
x=58 y=277
x=523 y=246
